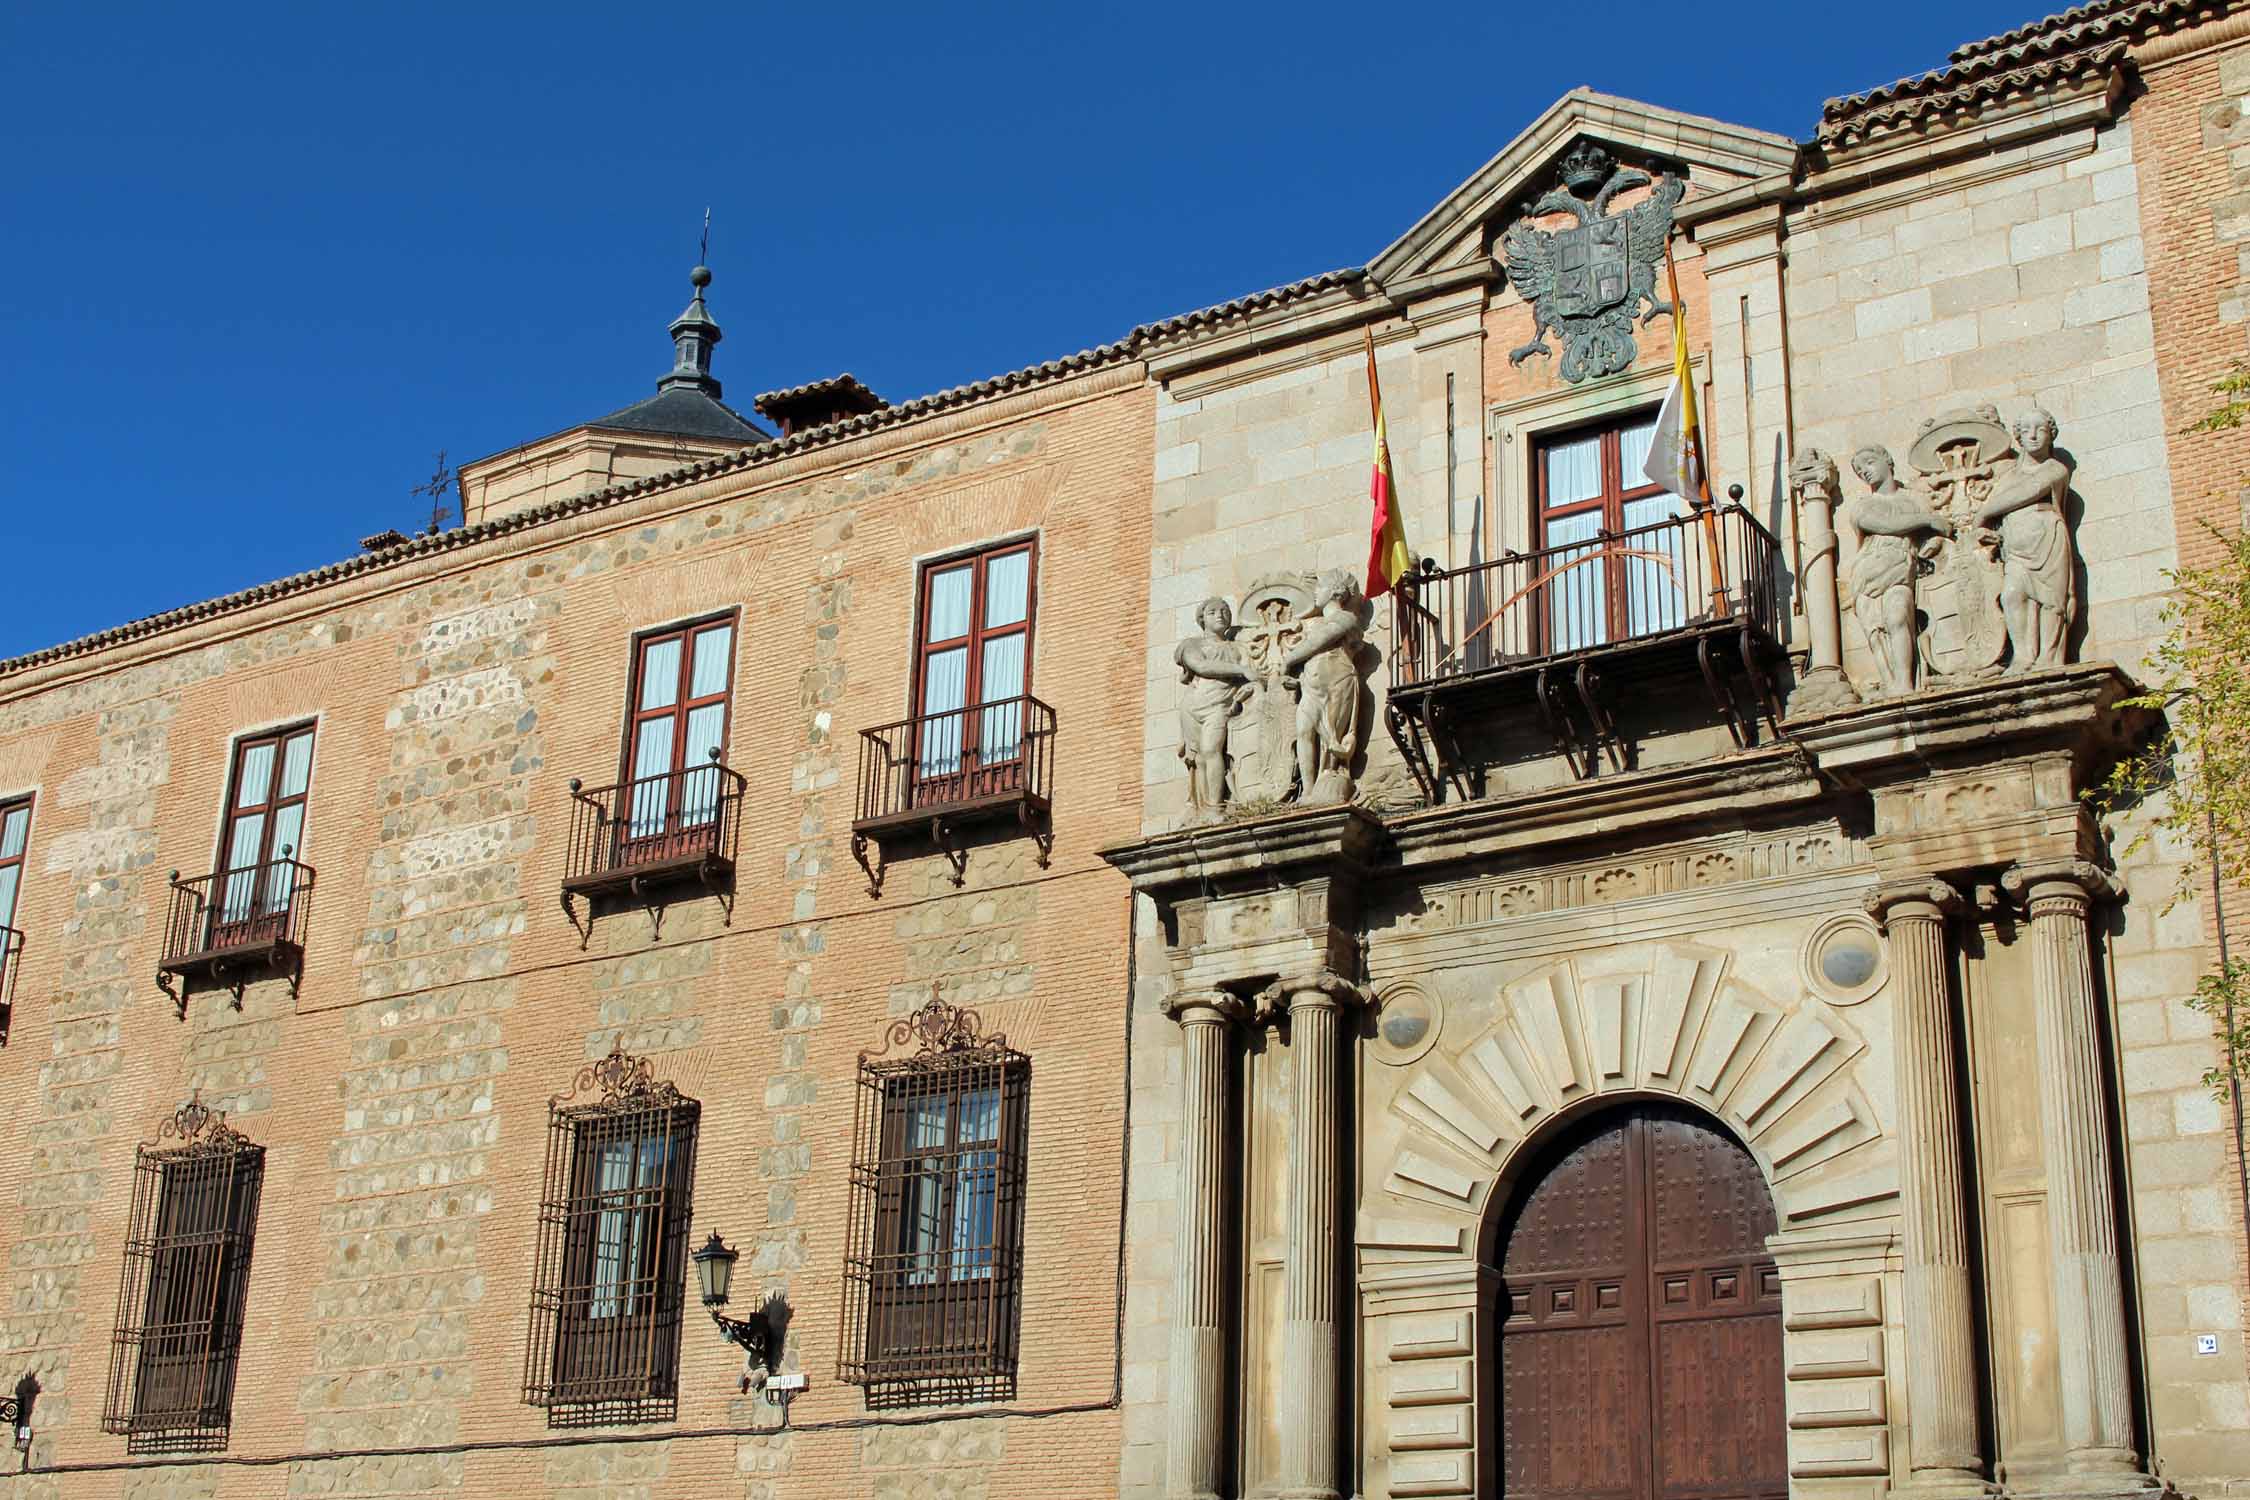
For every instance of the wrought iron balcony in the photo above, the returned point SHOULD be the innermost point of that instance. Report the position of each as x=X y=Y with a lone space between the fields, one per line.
x=1554 y=631
x=931 y=775
x=224 y=925
x=11 y=954
x=639 y=837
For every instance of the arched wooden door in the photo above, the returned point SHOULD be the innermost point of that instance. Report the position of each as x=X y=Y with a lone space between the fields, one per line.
x=1640 y=1318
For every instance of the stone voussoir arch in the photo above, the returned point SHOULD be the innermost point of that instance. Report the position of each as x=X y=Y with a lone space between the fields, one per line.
x=1662 y=1020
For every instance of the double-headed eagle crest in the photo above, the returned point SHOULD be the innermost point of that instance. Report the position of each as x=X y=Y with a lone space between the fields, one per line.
x=1586 y=282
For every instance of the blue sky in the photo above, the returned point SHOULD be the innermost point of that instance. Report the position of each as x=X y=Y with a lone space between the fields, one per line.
x=258 y=264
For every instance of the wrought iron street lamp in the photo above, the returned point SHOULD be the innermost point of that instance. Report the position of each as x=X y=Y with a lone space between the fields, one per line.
x=714 y=1270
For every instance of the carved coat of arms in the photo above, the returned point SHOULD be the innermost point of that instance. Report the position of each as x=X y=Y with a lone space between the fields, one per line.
x=1957 y=456
x=1587 y=282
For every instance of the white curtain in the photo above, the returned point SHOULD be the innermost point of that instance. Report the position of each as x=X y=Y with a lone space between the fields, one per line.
x=650 y=792
x=1576 y=600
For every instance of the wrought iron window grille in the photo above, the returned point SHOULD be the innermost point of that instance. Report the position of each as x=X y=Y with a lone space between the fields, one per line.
x=178 y=1336
x=609 y=1282
x=933 y=1271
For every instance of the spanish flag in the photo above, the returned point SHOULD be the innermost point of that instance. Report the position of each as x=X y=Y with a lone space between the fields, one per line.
x=1388 y=557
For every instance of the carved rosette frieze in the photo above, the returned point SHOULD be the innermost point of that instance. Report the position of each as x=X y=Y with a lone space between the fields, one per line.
x=2088 y=1285
x=1942 y=1445
x=1197 y=1446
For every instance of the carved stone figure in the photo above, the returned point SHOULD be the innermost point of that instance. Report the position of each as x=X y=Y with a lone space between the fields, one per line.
x=1895 y=528
x=2038 y=590
x=1963 y=632
x=1270 y=711
x=1217 y=684
x=1586 y=282
x=1324 y=664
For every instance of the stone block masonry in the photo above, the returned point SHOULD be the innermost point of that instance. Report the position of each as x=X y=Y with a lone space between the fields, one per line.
x=402 y=1096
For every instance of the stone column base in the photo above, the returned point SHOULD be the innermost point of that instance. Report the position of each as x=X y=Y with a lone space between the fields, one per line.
x=1822 y=689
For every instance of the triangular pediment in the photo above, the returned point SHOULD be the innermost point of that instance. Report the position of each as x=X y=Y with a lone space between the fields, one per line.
x=1714 y=154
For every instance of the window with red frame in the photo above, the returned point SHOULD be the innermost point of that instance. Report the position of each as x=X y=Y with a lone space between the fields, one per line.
x=1589 y=482
x=683 y=684
x=972 y=670
x=15 y=838
x=264 y=837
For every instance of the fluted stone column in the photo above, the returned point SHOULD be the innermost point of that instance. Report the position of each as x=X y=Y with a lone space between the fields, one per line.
x=1941 y=1360
x=1311 y=1332
x=1196 y=1447
x=2081 y=1208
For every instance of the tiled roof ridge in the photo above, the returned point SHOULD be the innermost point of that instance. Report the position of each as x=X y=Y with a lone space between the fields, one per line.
x=430 y=544
x=2069 y=42
x=1255 y=302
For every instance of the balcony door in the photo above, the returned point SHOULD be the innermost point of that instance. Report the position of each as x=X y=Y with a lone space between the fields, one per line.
x=972 y=671
x=263 y=839
x=683 y=679
x=1606 y=578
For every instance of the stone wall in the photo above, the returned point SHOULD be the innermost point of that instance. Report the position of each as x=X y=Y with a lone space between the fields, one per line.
x=402 y=1094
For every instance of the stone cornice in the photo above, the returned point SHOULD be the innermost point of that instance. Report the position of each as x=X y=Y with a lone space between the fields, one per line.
x=1733 y=789
x=1254 y=852
x=2072 y=709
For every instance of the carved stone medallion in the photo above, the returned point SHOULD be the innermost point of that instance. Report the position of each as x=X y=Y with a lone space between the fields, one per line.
x=1964 y=633
x=1273 y=621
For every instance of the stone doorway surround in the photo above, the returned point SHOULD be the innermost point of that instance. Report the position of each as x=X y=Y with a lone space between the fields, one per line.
x=1644 y=936
x=1664 y=1020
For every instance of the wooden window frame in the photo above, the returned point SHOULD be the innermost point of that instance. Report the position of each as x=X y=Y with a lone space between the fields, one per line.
x=936 y=1320
x=974 y=776
x=177 y=1343
x=605 y=1348
x=1611 y=502
x=635 y=849
x=20 y=861
x=268 y=914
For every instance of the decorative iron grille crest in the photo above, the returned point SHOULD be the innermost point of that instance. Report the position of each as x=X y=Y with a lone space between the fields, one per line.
x=943 y=1035
x=196 y=1124
x=626 y=1082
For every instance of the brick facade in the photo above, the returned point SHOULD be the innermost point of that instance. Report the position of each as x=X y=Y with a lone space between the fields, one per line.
x=402 y=1094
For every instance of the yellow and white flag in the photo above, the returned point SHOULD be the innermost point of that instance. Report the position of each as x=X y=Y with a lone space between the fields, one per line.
x=1675 y=453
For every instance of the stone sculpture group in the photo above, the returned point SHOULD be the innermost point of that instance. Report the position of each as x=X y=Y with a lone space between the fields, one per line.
x=1968 y=568
x=1271 y=710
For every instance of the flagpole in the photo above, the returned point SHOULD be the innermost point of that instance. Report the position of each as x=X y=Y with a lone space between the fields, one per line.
x=1702 y=500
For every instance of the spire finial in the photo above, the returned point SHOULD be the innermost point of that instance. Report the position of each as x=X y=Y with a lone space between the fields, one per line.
x=694 y=334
